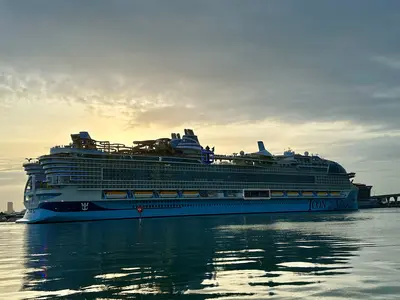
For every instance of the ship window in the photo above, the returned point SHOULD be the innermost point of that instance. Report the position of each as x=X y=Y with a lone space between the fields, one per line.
x=336 y=168
x=197 y=175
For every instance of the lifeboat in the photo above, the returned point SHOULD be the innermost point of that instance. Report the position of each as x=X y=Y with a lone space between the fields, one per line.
x=143 y=194
x=335 y=194
x=307 y=194
x=322 y=194
x=190 y=194
x=168 y=194
x=293 y=194
x=276 y=194
x=116 y=194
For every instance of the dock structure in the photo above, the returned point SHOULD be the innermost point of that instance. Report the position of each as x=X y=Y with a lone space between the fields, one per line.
x=366 y=200
x=388 y=199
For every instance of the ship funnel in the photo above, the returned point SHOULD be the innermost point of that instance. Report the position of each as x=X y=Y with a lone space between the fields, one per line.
x=261 y=146
x=262 y=150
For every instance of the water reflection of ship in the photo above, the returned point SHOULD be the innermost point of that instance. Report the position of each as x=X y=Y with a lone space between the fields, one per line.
x=181 y=255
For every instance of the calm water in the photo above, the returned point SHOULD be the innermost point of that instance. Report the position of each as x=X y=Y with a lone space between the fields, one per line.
x=296 y=256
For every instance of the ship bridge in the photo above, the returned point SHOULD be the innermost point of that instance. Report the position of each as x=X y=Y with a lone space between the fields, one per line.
x=334 y=167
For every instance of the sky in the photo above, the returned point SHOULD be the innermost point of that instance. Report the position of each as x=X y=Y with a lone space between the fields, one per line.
x=318 y=76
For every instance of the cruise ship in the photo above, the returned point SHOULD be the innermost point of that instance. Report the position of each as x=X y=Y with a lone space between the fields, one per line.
x=96 y=180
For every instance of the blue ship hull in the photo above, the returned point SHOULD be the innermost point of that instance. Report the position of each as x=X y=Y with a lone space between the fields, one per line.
x=49 y=212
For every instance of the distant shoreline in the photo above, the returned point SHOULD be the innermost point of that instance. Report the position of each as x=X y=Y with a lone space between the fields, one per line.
x=10 y=217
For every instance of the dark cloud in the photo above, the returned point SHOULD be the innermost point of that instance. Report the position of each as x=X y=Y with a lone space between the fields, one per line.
x=208 y=62
x=372 y=152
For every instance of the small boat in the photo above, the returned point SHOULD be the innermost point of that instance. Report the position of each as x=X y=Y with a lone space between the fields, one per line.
x=335 y=194
x=277 y=194
x=116 y=194
x=143 y=194
x=293 y=194
x=322 y=194
x=307 y=194
x=190 y=194
x=168 y=194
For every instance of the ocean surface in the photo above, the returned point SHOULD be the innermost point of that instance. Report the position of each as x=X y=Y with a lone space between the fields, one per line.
x=272 y=256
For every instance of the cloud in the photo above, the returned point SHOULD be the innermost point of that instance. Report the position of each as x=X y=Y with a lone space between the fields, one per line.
x=391 y=62
x=9 y=165
x=389 y=94
x=154 y=63
x=384 y=148
x=11 y=177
